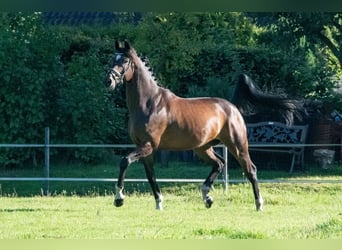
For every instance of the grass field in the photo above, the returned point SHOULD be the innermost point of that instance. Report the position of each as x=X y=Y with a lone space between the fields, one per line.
x=85 y=210
x=291 y=212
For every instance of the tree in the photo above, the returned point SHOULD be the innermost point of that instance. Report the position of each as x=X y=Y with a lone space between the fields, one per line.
x=29 y=66
x=319 y=35
x=318 y=28
x=179 y=44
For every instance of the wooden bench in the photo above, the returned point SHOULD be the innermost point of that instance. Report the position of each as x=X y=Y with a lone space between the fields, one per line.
x=279 y=138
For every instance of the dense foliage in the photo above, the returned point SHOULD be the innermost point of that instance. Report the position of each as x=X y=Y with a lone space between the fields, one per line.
x=52 y=76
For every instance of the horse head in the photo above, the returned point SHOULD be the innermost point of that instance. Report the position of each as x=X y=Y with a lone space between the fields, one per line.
x=122 y=66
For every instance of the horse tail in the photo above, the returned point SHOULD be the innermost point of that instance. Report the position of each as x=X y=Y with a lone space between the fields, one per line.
x=247 y=98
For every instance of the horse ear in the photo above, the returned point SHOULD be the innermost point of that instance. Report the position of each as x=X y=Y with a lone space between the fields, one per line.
x=127 y=45
x=117 y=45
x=122 y=46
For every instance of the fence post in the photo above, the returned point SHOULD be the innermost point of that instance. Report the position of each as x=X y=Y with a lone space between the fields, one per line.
x=47 y=161
x=225 y=169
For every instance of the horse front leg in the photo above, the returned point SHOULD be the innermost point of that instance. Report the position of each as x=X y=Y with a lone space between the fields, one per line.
x=119 y=189
x=125 y=162
x=206 y=186
x=217 y=163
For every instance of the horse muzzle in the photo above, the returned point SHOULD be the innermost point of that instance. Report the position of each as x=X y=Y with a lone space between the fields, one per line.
x=115 y=78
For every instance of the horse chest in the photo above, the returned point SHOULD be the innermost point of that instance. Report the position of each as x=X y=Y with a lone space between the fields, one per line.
x=143 y=127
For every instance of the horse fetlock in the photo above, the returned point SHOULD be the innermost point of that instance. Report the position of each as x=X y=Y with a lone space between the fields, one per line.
x=208 y=201
x=259 y=204
x=205 y=188
x=119 y=197
x=118 y=202
x=159 y=203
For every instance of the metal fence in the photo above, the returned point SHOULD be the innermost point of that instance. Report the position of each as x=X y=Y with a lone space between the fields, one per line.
x=47 y=179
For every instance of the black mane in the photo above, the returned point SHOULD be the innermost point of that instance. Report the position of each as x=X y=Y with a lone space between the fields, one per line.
x=149 y=67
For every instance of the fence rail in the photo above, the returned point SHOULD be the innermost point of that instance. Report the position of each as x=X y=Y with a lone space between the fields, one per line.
x=47 y=179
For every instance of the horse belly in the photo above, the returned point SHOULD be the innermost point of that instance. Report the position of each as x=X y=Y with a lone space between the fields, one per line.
x=193 y=135
x=178 y=141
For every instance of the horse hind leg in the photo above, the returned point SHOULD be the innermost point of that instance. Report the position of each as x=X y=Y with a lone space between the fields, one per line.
x=237 y=143
x=250 y=171
x=251 y=174
x=259 y=202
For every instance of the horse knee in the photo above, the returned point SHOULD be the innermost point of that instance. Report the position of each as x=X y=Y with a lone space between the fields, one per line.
x=218 y=167
x=251 y=175
x=124 y=163
x=249 y=169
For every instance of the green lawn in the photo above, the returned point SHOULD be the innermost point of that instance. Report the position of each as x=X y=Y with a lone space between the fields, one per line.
x=292 y=211
x=84 y=210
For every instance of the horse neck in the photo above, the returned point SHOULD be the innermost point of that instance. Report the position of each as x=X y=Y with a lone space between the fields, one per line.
x=141 y=89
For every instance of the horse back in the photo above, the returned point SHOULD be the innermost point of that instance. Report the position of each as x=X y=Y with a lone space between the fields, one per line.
x=194 y=122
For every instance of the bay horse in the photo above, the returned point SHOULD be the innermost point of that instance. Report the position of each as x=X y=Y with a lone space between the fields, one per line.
x=159 y=119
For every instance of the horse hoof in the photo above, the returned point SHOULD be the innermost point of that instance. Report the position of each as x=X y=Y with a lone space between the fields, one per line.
x=118 y=202
x=259 y=204
x=259 y=208
x=208 y=201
